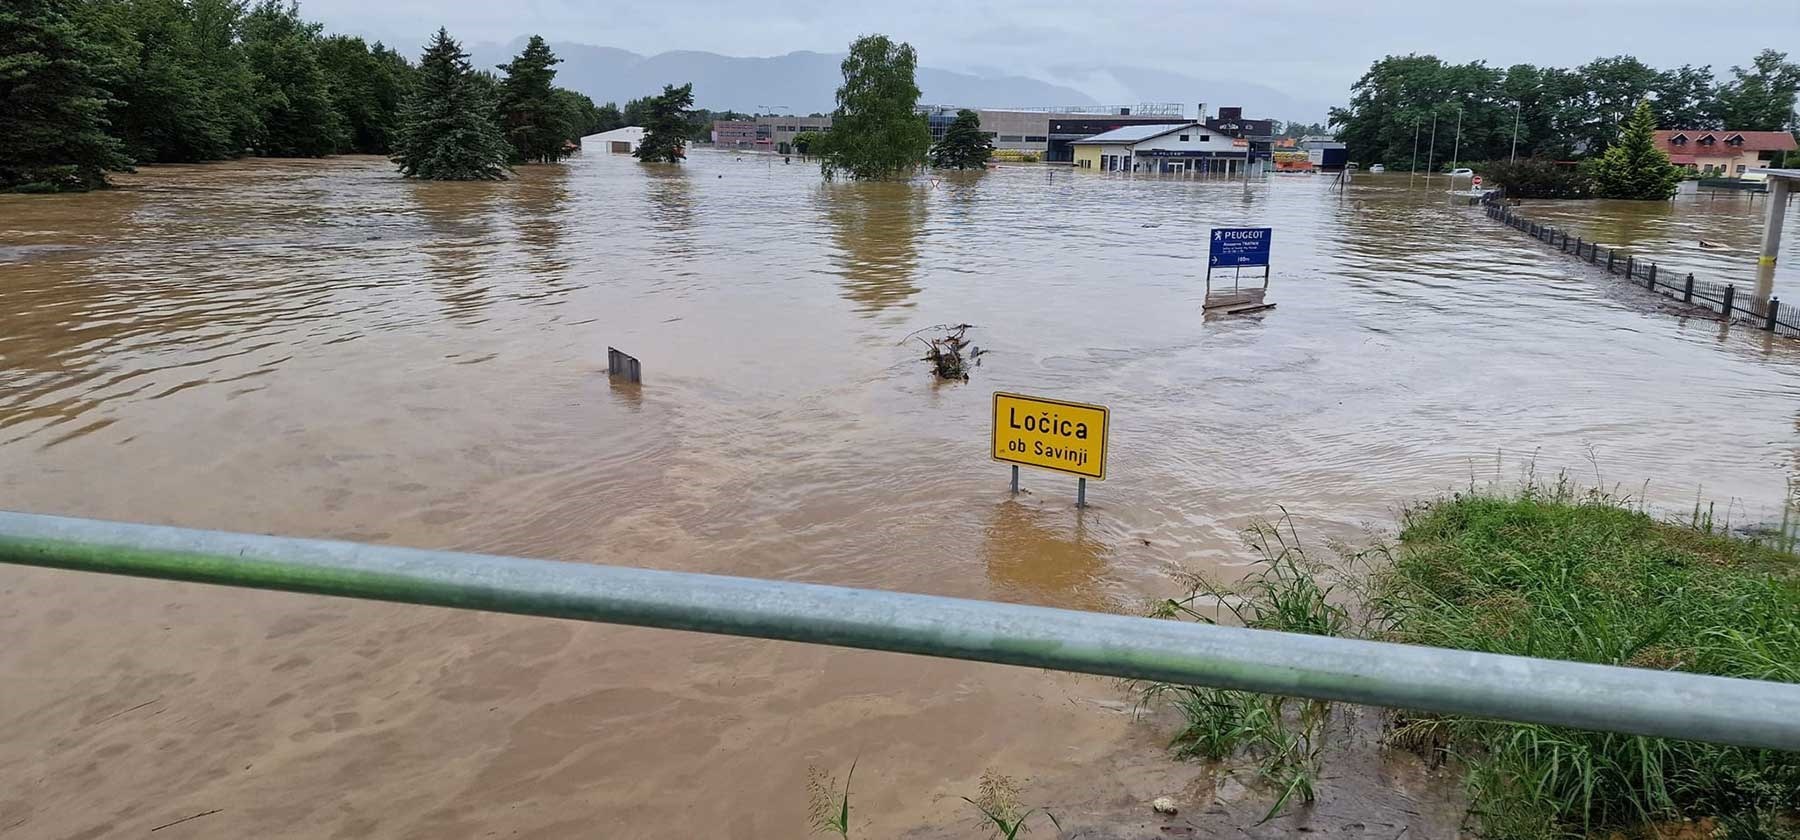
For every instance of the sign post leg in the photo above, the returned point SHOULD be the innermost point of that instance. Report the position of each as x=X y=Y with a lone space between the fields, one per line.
x=1081 y=492
x=1015 y=485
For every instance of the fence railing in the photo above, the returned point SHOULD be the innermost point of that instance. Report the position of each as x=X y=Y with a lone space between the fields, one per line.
x=1732 y=303
x=1749 y=713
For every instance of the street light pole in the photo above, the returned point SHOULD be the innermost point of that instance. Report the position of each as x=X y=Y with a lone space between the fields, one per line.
x=1415 y=162
x=1517 y=107
x=1431 y=154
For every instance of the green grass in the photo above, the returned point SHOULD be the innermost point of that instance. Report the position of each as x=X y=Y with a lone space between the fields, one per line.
x=1551 y=573
x=1286 y=590
x=1546 y=572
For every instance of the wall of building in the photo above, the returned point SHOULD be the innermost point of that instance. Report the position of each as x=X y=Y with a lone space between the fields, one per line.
x=1087 y=156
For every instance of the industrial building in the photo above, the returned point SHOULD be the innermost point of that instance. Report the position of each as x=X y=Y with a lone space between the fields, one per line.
x=1183 y=148
x=765 y=133
x=617 y=141
x=1048 y=134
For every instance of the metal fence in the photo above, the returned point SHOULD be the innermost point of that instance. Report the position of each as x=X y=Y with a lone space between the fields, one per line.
x=1729 y=301
x=1751 y=713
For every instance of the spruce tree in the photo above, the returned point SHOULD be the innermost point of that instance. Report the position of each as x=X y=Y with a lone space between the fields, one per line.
x=447 y=132
x=533 y=119
x=665 y=124
x=52 y=108
x=1634 y=167
x=963 y=146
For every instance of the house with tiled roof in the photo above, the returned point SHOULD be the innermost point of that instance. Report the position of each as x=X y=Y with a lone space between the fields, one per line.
x=1724 y=154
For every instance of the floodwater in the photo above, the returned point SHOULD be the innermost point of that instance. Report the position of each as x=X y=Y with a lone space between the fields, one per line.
x=319 y=348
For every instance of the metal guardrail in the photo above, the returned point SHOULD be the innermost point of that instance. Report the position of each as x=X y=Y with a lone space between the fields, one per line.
x=1748 y=713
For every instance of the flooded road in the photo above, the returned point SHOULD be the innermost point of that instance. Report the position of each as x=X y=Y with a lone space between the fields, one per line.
x=318 y=348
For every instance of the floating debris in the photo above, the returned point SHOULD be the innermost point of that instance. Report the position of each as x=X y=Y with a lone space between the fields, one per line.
x=951 y=354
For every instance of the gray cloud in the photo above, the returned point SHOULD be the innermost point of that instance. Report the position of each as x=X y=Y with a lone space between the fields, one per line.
x=1310 y=51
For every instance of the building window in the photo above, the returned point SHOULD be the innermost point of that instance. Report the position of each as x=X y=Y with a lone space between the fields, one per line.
x=1205 y=137
x=989 y=134
x=1741 y=168
x=1036 y=138
x=1010 y=138
x=1184 y=138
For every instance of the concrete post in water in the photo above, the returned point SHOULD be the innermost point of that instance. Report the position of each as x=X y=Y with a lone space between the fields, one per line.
x=1629 y=261
x=1651 y=284
x=1771 y=238
x=1774 y=306
x=1610 y=254
x=1687 y=292
x=1730 y=292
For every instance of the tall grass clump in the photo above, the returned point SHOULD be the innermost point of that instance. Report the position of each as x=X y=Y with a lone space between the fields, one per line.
x=1555 y=574
x=1286 y=590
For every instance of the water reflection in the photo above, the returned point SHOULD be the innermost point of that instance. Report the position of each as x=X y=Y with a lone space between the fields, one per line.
x=876 y=228
x=540 y=201
x=457 y=214
x=1036 y=555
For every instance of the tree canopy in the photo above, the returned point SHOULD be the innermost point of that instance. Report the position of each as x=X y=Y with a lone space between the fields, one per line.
x=535 y=121
x=1634 y=167
x=52 y=106
x=963 y=146
x=1560 y=113
x=448 y=133
x=665 y=124
x=876 y=131
x=292 y=97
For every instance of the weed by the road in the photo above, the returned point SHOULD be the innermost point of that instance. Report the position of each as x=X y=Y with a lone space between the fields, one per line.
x=1288 y=591
x=998 y=801
x=829 y=808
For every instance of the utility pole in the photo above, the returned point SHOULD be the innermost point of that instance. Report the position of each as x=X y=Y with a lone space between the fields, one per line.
x=1415 y=163
x=1517 y=107
x=1431 y=156
x=1456 y=148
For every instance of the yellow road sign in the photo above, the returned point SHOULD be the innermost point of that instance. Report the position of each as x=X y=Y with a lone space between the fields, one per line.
x=1053 y=434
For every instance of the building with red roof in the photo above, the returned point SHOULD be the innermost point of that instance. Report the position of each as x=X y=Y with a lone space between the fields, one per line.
x=1724 y=154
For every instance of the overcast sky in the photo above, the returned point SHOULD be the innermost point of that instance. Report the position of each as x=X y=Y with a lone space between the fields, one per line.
x=1313 y=50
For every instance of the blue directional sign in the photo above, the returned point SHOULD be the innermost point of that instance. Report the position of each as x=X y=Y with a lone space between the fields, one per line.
x=1240 y=247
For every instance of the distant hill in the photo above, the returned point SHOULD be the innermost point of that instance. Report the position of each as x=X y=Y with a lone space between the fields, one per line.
x=799 y=82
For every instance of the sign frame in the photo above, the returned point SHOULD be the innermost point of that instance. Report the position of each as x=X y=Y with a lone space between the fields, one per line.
x=997 y=454
x=1213 y=260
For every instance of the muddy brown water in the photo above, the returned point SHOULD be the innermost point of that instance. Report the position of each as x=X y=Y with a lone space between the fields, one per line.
x=319 y=348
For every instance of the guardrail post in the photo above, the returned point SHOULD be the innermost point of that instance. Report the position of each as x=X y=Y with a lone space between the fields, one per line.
x=1578 y=247
x=1730 y=292
x=1769 y=317
x=1651 y=283
x=1687 y=292
x=1630 y=265
x=1610 y=254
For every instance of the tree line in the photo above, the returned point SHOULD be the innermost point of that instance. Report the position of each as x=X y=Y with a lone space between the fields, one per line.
x=100 y=85
x=1560 y=113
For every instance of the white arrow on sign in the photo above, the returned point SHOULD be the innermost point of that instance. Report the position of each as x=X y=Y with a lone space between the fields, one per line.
x=1215 y=260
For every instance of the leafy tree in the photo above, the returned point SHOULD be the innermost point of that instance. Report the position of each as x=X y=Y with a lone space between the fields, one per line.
x=52 y=107
x=637 y=111
x=610 y=118
x=1609 y=93
x=1761 y=98
x=665 y=124
x=1686 y=97
x=292 y=96
x=876 y=132
x=1634 y=167
x=225 y=71
x=963 y=146
x=368 y=86
x=805 y=141
x=579 y=114
x=447 y=132
x=1538 y=178
x=162 y=109
x=534 y=121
